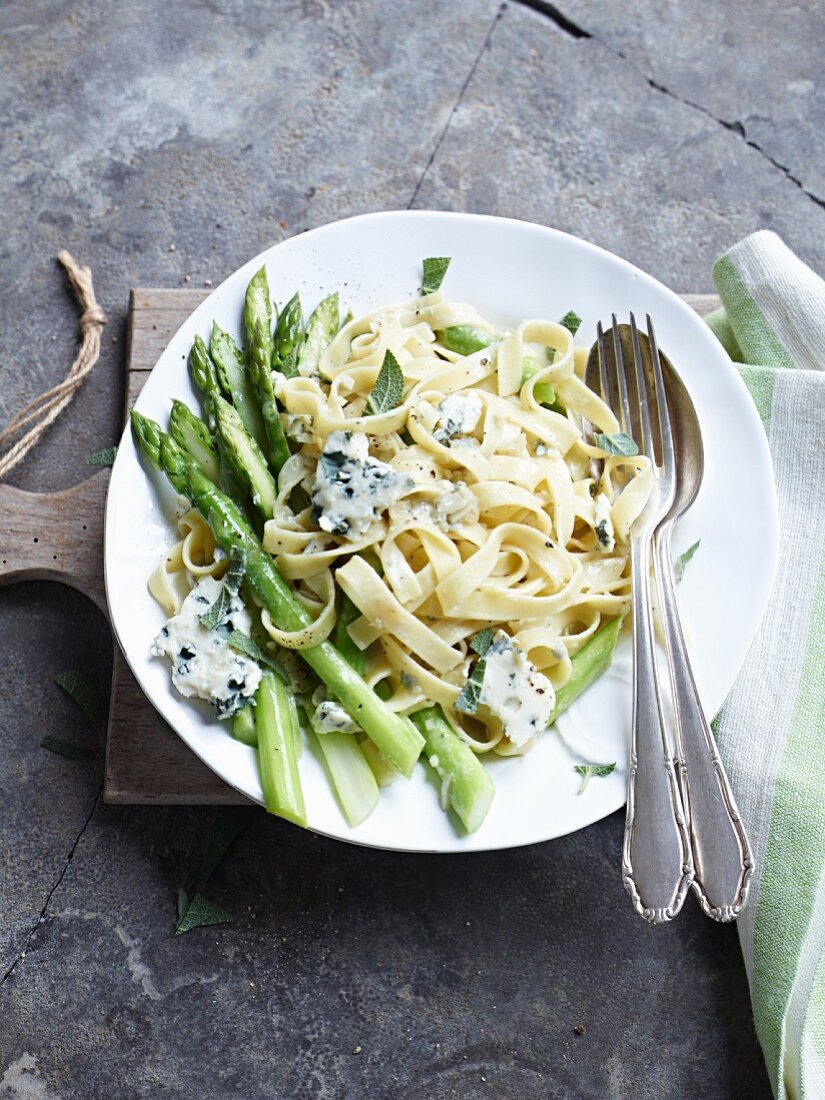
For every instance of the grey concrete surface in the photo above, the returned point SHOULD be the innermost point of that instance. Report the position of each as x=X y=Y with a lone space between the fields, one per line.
x=219 y=128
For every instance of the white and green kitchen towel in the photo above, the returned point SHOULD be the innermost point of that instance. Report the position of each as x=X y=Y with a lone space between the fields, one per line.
x=771 y=730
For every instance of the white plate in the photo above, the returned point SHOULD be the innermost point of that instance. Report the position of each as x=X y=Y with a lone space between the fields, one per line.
x=510 y=270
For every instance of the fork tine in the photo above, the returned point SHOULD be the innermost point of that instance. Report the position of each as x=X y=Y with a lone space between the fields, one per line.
x=668 y=454
x=627 y=421
x=602 y=352
x=646 y=442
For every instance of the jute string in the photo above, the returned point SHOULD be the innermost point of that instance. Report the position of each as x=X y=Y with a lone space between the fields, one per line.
x=45 y=409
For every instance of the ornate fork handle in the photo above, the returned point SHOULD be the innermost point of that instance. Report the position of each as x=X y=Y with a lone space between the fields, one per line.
x=723 y=862
x=657 y=866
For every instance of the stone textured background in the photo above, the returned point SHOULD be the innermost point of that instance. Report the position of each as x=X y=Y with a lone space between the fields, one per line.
x=159 y=142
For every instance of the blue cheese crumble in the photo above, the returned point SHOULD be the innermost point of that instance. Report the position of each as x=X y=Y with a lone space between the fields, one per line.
x=352 y=490
x=203 y=664
x=459 y=415
x=605 y=534
x=515 y=692
x=330 y=717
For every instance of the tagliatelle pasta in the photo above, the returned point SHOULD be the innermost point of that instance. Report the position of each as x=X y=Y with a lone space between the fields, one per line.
x=510 y=520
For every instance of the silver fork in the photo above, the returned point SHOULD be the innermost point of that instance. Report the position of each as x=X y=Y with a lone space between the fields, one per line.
x=657 y=864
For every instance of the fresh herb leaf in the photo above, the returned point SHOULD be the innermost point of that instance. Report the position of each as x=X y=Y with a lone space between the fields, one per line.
x=200 y=913
x=250 y=648
x=226 y=825
x=586 y=771
x=616 y=444
x=435 y=268
x=102 y=458
x=229 y=589
x=470 y=695
x=683 y=559
x=465 y=339
x=551 y=354
x=571 y=322
x=482 y=641
x=388 y=391
x=182 y=900
x=79 y=687
x=70 y=749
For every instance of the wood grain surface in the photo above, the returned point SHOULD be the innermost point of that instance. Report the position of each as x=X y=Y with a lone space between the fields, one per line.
x=59 y=536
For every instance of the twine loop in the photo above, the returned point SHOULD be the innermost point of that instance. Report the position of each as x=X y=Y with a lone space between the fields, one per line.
x=45 y=409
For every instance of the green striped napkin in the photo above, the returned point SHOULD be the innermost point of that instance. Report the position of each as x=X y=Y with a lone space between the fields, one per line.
x=771 y=730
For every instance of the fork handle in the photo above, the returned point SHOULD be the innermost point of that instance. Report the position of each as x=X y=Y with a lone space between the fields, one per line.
x=657 y=865
x=723 y=862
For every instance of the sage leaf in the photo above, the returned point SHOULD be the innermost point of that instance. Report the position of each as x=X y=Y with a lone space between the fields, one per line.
x=435 y=268
x=72 y=750
x=470 y=695
x=587 y=771
x=388 y=391
x=80 y=688
x=617 y=444
x=482 y=641
x=250 y=648
x=200 y=913
x=102 y=458
x=683 y=559
x=229 y=589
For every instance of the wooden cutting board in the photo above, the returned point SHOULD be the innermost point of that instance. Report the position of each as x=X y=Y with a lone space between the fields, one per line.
x=59 y=536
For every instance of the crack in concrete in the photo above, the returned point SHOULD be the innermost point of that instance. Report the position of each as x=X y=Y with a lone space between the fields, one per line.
x=573 y=30
x=60 y=877
x=487 y=37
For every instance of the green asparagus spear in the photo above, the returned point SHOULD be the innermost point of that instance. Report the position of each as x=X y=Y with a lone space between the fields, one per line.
x=205 y=377
x=470 y=789
x=248 y=458
x=236 y=383
x=243 y=726
x=322 y=327
x=289 y=332
x=277 y=758
x=394 y=734
x=588 y=664
x=257 y=310
x=192 y=435
x=341 y=639
x=260 y=372
x=465 y=339
x=351 y=775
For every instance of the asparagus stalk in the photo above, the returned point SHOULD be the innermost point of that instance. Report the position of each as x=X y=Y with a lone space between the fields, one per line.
x=257 y=310
x=236 y=383
x=588 y=664
x=205 y=377
x=394 y=734
x=289 y=333
x=243 y=726
x=351 y=775
x=347 y=614
x=247 y=457
x=192 y=435
x=465 y=339
x=322 y=327
x=260 y=356
x=470 y=789
x=277 y=758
